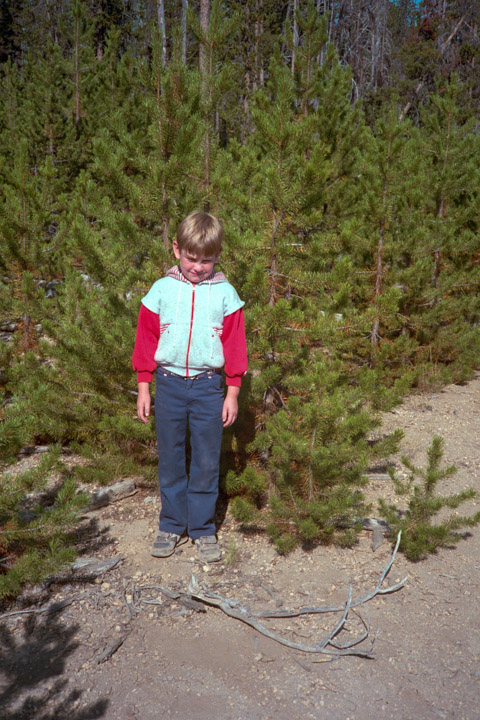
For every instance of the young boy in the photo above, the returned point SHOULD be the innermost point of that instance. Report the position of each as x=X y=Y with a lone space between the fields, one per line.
x=190 y=326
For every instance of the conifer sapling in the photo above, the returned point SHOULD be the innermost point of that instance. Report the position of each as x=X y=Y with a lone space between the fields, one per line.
x=422 y=530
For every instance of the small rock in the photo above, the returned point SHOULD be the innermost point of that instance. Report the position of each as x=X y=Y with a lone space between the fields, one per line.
x=377 y=538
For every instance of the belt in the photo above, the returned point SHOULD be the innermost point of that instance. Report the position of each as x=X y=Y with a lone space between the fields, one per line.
x=205 y=373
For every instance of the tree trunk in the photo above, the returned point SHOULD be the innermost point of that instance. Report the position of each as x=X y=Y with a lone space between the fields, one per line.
x=166 y=219
x=295 y=34
x=161 y=28
x=375 y=332
x=206 y=69
x=184 y=31
x=311 y=494
x=204 y=21
x=272 y=293
x=77 y=67
x=441 y=203
x=256 y=62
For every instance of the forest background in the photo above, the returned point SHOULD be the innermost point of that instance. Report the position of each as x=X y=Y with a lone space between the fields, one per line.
x=338 y=142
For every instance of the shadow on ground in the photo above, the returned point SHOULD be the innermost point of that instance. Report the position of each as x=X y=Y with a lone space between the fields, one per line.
x=33 y=685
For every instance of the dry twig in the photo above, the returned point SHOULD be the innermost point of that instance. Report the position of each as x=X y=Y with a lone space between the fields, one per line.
x=111 y=649
x=327 y=645
x=182 y=599
x=50 y=609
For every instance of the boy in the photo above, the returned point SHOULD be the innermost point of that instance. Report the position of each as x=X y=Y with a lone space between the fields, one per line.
x=190 y=326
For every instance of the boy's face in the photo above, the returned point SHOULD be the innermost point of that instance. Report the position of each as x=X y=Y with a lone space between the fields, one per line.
x=195 y=267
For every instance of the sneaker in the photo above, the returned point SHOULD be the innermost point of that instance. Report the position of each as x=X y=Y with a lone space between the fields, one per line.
x=165 y=543
x=208 y=548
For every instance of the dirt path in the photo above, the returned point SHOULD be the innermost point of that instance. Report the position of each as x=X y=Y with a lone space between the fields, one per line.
x=175 y=662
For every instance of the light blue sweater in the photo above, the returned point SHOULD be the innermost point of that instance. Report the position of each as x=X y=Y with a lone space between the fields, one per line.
x=191 y=320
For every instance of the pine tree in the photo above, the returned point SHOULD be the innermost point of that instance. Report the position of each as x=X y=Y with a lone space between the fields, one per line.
x=376 y=242
x=11 y=89
x=138 y=187
x=307 y=460
x=447 y=308
x=42 y=114
x=213 y=30
x=37 y=522
x=423 y=531
x=28 y=256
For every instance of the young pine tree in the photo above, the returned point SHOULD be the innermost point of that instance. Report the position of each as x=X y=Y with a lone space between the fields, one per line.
x=447 y=309
x=306 y=462
x=37 y=523
x=83 y=390
x=423 y=524
x=377 y=240
x=31 y=228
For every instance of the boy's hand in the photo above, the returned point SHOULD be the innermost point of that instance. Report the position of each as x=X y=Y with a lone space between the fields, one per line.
x=143 y=401
x=230 y=406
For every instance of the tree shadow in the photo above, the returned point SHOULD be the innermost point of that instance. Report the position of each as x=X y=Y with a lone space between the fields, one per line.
x=30 y=659
x=91 y=538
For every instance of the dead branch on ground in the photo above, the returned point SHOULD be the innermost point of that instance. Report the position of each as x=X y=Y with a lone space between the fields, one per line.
x=327 y=645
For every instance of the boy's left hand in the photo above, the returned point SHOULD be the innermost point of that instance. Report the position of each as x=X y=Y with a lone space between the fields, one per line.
x=230 y=409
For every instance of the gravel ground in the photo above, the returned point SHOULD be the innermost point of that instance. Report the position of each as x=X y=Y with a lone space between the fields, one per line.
x=110 y=655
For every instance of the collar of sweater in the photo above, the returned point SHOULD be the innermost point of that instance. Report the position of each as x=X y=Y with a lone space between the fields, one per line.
x=214 y=277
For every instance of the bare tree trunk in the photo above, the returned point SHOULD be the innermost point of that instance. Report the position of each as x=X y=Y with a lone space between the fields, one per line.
x=161 y=27
x=246 y=104
x=409 y=103
x=372 y=57
x=272 y=293
x=184 y=31
x=375 y=332
x=256 y=59
x=51 y=149
x=49 y=20
x=204 y=20
x=311 y=494
x=295 y=34
x=331 y=21
x=206 y=69
x=77 y=68
x=159 y=99
x=259 y=68
x=383 y=43
x=441 y=203
x=166 y=218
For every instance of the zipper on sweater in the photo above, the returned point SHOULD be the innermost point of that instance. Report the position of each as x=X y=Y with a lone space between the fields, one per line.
x=191 y=328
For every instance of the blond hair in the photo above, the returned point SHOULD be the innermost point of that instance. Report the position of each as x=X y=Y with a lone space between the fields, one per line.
x=200 y=234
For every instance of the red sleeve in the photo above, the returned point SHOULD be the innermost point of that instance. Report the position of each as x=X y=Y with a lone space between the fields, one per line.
x=234 y=347
x=146 y=342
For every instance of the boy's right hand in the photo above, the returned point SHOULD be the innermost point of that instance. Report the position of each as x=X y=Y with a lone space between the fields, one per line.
x=143 y=401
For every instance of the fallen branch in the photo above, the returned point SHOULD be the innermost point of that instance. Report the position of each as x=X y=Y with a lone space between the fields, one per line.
x=111 y=649
x=234 y=609
x=378 y=590
x=182 y=599
x=50 y=609
x=327 y=645
x=131 y=608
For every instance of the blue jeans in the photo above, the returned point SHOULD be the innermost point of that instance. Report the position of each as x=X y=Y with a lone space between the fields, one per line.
x=188 y=503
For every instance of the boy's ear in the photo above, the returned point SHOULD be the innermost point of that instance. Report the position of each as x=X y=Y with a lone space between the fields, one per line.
x=176 y=249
